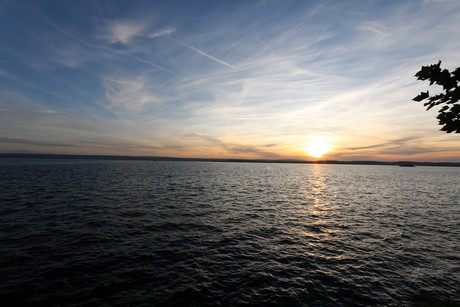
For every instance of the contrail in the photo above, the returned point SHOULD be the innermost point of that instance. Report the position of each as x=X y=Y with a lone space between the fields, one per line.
x=143 y=61
x=208 y=55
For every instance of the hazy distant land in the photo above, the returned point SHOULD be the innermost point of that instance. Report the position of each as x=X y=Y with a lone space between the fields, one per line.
x=154 y=158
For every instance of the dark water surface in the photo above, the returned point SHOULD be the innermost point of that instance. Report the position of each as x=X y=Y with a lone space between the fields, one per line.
x=194 y=234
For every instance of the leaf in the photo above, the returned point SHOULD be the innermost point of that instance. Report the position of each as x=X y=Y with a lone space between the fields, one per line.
x=449 y=112
x=422 y=96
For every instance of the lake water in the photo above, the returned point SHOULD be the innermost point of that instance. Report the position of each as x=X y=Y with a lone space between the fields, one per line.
x=230 y=234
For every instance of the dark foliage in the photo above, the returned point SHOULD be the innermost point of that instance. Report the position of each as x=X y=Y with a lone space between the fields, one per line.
x=449 y=113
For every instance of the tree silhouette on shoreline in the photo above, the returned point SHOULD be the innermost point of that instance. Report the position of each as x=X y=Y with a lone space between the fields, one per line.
x=449 y=113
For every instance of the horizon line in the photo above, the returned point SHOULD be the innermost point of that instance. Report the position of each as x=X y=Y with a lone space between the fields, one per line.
x=259 y=160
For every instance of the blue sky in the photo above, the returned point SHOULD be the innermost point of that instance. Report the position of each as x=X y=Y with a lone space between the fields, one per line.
x=241 y=79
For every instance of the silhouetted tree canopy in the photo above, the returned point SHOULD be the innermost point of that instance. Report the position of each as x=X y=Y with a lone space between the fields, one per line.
x=449 y=113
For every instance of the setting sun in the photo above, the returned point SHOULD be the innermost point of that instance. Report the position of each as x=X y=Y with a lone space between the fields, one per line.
x=317 y=147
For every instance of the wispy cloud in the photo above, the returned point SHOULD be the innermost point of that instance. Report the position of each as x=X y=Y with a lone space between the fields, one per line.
x=123 y=31
x=73 y=55
x=129 y=94
x=27 y=125
x=34 y=142
x=232 y=148
x=392 y=143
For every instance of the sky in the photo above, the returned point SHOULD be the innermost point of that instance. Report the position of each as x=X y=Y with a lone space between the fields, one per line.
x=261 y=79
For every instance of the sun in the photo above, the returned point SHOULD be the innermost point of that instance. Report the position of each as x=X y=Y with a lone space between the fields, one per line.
x=317 y=147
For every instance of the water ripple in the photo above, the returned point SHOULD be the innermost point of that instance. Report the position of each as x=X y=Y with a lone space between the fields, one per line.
x=229 y=234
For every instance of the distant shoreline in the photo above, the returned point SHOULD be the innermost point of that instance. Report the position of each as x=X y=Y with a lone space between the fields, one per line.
x=154 y=158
